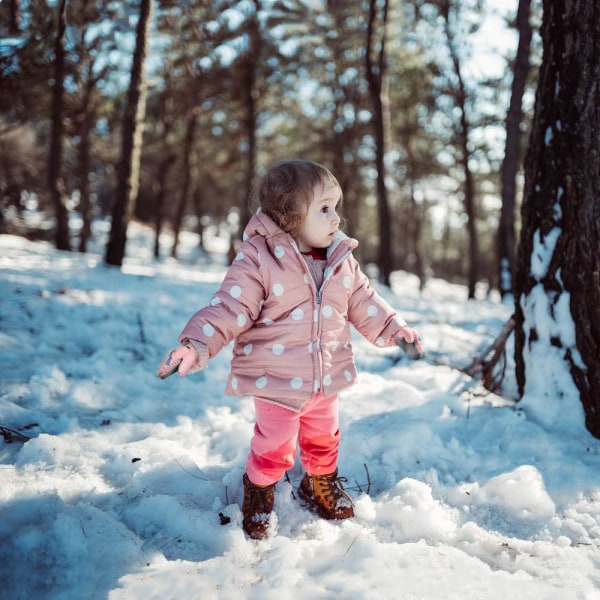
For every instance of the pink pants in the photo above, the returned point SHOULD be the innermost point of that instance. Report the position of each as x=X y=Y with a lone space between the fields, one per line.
x=277 y=431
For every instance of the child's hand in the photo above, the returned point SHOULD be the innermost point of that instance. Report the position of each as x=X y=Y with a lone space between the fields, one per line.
x=184 y=360
x=408 y=335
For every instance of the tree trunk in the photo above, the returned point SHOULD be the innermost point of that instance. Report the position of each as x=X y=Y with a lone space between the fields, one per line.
x=62 y=239
x=557 y=301
x=85 y=126
x=131 y=145
x=250 y=98
x=161 y=190
x=512 y=154
x=377 y=80
x=463 y=142
x=188 y=162
x=14 y=18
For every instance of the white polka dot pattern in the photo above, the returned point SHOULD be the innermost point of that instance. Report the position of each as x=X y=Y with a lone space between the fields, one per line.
x=304 y=342
x=261 y=383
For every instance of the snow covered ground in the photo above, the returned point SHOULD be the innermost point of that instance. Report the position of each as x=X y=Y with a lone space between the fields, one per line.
x=117 y=494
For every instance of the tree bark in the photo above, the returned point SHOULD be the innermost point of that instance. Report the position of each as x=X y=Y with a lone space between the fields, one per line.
x=557 y=301
x=464 y=131
x=85 y=127
x=62 y=238
x=188 y=155
x=512 y=153
x=161 y=191
x=250 y=99
x=131 y=145
x=377 y=81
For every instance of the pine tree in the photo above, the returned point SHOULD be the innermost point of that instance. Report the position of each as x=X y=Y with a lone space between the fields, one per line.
x=558 y=277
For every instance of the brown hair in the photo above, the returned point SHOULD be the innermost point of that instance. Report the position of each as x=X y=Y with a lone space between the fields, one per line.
x=286 y=191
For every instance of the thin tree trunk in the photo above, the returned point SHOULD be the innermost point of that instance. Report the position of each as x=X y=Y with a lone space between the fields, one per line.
x=512 y=153
x=14 y=19
x=131 y=147
x=161 y=191
x=377 y=80
x=250 y=98
x=463 y=135
x=188 y=154
x=84 y=161
x=62 y=238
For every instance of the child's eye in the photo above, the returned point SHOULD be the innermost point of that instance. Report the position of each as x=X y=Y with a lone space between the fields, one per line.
x=325 y=209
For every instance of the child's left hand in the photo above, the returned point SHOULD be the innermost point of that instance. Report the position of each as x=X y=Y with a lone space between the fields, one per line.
x=410 y=335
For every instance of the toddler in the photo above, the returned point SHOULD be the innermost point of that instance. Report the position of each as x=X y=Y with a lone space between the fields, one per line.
x=287 y=300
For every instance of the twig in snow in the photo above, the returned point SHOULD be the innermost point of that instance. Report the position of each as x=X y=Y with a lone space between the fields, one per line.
x=141 y=328
x=12 y=435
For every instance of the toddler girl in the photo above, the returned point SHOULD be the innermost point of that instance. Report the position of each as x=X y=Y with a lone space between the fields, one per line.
x=287 y=300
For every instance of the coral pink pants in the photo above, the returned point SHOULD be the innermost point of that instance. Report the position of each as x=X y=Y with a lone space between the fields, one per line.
x=315 y=429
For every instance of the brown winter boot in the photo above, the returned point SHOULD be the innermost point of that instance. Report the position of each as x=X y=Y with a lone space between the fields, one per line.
x=256 y=508
x=326 y=495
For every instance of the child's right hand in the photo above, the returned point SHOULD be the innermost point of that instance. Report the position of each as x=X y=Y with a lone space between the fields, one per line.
x=184 y=360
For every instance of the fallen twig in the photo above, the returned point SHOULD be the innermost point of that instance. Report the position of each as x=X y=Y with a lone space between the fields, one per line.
x=12 y=435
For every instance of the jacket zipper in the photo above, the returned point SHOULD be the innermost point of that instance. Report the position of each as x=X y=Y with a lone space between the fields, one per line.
x=319 y=298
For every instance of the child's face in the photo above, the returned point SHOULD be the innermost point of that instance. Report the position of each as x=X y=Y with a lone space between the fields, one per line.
x=321 y=220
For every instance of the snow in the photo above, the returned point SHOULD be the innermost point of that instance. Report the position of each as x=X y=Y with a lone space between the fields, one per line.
x=460 y=494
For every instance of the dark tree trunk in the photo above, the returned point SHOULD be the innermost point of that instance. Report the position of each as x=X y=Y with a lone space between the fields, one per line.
x=377 y=80
x=463 y=143
x=13 y=25
x=188 y=156
x=131 y=146
x=559 y=253
x=512 y=153
x=161 y=185
x=62 y=238
x=250 y=100
x=85 y=127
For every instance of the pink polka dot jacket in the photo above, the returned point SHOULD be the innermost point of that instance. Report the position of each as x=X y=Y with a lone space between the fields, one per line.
x=291 y=339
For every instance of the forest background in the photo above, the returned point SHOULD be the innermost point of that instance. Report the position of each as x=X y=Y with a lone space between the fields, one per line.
x=406 y=102
x=169 y=112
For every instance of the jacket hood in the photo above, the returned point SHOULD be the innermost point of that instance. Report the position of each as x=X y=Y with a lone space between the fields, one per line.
x=261 y=224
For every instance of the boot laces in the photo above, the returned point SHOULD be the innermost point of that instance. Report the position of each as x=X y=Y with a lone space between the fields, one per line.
x=333 y=488
x=259 y=501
